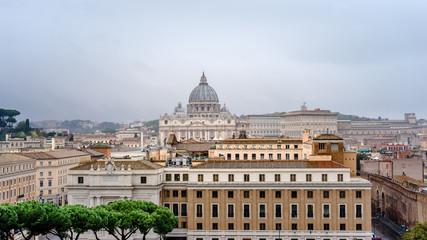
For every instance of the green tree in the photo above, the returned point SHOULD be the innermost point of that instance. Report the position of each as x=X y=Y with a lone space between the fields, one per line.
x=71 y=138
x=78 y=216
x=98 y=219
x=8 y=220
x=164 y=221
x=51 y=134
x=33 y=218
x=20 y=127
x=418 y=232
x=109 y=130
x=128 y=218
x=27 y=128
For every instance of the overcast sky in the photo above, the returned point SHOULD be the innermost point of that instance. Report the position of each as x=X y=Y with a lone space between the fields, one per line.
x=134 y=60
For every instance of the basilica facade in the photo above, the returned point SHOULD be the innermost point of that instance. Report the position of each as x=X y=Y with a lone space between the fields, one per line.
x=205 y=120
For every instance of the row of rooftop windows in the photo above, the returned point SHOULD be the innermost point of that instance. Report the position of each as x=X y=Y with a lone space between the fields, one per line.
x=18 y=168
x=261 y=194
x=10 y=182
x=278 y=146
x=261 y=156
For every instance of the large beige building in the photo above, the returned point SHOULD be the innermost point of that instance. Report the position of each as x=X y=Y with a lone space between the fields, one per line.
x=204 y=119
x=17 y=178
x=52 y=171
x=236 y=200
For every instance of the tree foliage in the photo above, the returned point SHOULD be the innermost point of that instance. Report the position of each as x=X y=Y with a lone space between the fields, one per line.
x=418 y=232
x=121 y=219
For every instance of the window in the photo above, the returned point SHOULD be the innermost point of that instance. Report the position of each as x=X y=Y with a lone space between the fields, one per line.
x=246 y=226
x=200 y=177
x=262 y=226
x=175 y=209
x=296 y=156
x=49 y=163
x=294 y=194
x=167 y=205
x=262 y=213
x=309 y=194
x=231 y=177
x=199 y=210
x=287 y=156
x=261 y=194
x=168 y=177
x=322 y=146
x=214 y=194
x=278 y=194
x=278 y=227
x=246 y=194
x=310 y=211
x=228 y=156
x=287 y=146
x=325 y=194
x=294 y=211
x=143 y=180
x=49 y=183
x=231 y=226
x=358 y=211
x=214 y=210
x=340 y=177
x=326 y=226
x=262 y=177
x=310 y=226
x=246 y=178
x=214 y=226
x=184 y=225
x=277 y=177
x=185 y=177
x=166 y=194
x=246 y=211
x=279 y=156
x=183 y=193
x=308 y=177
x=342 y=209
x=199 y=194
x=278 y=211
x=245 y=156
x=326 y=211
x=79 y=181
x=237 y=156
x=230 y=210
x=358 y=227
x=230 y=194
x=215 y=178
x=177 y=177
x=253 y=156
x=342 y=227
x=183 y=209
x=262 y=156
x=324 y=177
x=293 y=177
x=199 y=226
x=175 y=193
x=294 y=226
x=358 y=194
x=342 y=194
x=334 y=146
x=270 y=156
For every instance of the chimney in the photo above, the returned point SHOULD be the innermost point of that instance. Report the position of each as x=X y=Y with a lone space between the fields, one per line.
x=53 y=144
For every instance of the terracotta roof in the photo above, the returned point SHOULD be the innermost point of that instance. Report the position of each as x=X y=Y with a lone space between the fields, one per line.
x=94 y=153
x=230 y=164
x=134 y=165
x=9 y=157
x=263 y=141
x=37 y=155
x=54 y=154
x=327 y=137
x=196 y=147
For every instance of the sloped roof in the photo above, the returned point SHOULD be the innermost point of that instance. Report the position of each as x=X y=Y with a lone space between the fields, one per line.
x=10 y=157
x=328 y=137
x=238 y=164
x=55 y=154
x=260 y=141
x=134 y=165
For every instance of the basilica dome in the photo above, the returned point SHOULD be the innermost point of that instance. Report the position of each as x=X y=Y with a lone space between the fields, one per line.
x=203 y=92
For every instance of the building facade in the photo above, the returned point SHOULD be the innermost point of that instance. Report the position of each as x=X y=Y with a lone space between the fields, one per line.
x=52 y=171
x=237 y=200
x=17 y=178
x=204 y=119
x=264 y=126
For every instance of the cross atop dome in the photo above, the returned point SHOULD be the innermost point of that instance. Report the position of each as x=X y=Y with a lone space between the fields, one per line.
x=203 y=78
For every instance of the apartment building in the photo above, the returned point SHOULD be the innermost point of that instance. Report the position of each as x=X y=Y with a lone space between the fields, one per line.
x=17 y=178
x=52 y=171
x=235 y=199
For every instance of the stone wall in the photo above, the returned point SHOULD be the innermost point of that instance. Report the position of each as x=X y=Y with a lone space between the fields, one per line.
x=401 y=205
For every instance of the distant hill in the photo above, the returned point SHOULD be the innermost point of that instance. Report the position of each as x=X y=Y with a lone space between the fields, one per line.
x=357 y=118
x=152 y=125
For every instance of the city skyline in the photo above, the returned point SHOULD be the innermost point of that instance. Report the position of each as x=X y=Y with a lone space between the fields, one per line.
x=137 y=60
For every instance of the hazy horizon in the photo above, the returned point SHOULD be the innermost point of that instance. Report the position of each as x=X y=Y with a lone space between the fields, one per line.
x=135 y=60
